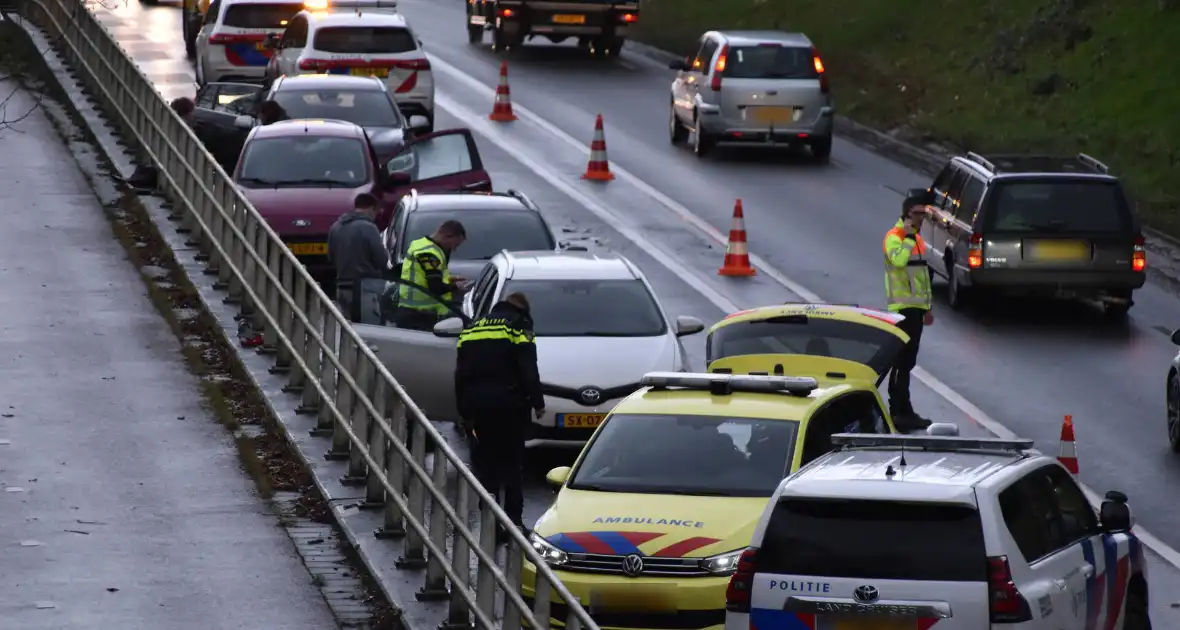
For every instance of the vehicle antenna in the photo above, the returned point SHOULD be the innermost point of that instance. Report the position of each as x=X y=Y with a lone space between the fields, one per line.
x=902 y=463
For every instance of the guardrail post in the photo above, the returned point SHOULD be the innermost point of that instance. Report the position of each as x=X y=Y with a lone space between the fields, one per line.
x=360 y=421
x=458 y=615
x=414 y=556
x=542 y=592
x=395 y=471
x=250 y=269
x=331 y=337
x=299 y=336
x=286 y=319
x=344 y=401
x=571 y=620
x=485 y=576
x=378 y=441
x=219 y=263
x=312 y=354
x=281 y=266
x=435 y=585
x=514 y=576
x=237 y=254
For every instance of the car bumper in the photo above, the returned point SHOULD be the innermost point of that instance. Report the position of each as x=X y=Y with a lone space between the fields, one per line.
x=222 y=71
x=550 y=429
x=730 y=129
x=686 y=614
x=1083 y=282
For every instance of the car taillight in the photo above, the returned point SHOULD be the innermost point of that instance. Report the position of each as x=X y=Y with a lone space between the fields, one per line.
x=737 y=594
x=1139 y=255
x=718 y=68
x=820 y=70
x=1006 y=603
x=628 y=18
x=975 y=252
x=505 y=13
x=412 y=64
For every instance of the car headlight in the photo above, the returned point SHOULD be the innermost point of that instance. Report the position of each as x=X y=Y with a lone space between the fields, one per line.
x=722 y=563
x=552 y=556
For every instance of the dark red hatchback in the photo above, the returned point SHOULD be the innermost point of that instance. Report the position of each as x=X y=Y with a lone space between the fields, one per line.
x=302 y=175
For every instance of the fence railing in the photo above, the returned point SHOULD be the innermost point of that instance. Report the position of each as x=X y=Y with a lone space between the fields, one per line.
x=358 y=402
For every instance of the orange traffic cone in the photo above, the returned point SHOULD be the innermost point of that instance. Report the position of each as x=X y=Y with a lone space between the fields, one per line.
x=1069 y=453
x=502 y=107
x=599 y=167
x=737 y=254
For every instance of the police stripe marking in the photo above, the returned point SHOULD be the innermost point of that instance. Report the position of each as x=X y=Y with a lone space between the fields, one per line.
x=1116 y=580
x=605 y=542
x=565 y=543
x=624 y=543
x=590 y=543
x=246 y=53
x=1093 y=592
x=767 y=619
x=688 y=545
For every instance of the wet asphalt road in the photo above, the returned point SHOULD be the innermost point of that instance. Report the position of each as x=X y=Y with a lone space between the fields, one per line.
x=123 y=503
x=821 y=226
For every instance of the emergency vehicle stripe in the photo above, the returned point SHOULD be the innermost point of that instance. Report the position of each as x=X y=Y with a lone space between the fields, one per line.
x=638 y=538
x=246 y=54
x=1093 y=592
x=678 y=550
x=590 y=543
x=565 y=543
x=619 y=542
x=1117 y=570
x=767 y=619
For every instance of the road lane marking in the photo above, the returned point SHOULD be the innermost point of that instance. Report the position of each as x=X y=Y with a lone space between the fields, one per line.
x=558 y=181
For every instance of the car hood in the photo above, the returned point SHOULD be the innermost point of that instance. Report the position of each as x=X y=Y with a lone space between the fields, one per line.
x=318 y=207
x=603 y=361
x=386 y=141
x=618 y=523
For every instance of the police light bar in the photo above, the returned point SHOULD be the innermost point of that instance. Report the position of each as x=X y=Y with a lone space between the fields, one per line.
x=320 y=5
x=929 y=442
x=723 y=384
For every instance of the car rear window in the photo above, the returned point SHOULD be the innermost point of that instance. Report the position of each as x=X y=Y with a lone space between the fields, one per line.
x=366 y=40
x=886 y=540
x=1039 y=206
x=488 y=232
x=770 y=62
x=272 y=16
x=697 y=455
x=800 y=334
x=367 y=108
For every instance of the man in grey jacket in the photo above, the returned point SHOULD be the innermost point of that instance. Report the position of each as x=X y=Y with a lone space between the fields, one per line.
x=356 y=251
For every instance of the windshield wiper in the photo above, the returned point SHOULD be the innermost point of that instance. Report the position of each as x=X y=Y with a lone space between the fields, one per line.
x=613 y=334
x=694 y=493
x=312 y=182
x=258 y=181
x=592 y=487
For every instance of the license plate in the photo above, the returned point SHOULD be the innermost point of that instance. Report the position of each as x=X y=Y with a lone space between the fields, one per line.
x=569 y=19
x=308 y=249
x=775 y=115
x=1060 y=251
x=581 y=420
x=870 y=623
x=635 y=598
x=380 y=73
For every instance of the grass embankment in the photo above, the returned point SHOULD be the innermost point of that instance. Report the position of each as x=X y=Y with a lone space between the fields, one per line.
x=1047 y=76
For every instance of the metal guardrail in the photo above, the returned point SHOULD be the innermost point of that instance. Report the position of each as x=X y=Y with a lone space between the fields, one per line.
x=358 y=402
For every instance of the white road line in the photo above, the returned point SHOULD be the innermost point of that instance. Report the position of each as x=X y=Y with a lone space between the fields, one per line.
x=624 y=227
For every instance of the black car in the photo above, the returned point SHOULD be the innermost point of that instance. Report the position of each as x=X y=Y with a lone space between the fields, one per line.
x=227 y=111
x=1029 y=225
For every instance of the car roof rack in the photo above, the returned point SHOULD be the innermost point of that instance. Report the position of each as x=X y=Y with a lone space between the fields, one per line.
x=721 y=384
x=846 y=441
x=524 y=199
x=980 y=160
x=1093 y=163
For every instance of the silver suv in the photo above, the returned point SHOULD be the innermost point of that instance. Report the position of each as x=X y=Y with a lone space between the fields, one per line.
x=752 y=87
x=897 y=532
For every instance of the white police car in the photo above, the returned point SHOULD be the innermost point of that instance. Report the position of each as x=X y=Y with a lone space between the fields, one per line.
x=896 y=532
x=231 y=45
x=361 y=38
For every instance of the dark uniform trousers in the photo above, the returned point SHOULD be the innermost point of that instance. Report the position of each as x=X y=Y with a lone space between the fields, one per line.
x=899 y=379
x=499 y=455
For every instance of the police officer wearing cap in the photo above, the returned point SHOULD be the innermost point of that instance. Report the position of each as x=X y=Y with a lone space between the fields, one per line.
x=907 y=291
x=496 y=386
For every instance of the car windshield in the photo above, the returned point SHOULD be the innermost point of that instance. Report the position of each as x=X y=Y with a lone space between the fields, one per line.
x=367 y=108
x=488 y=232
x=590 y=308
x=800 y=334
x=1062 y=205
x=692 y=455
x=304 y=161
x=770 y=62
x=252 y=15
x=365 y=40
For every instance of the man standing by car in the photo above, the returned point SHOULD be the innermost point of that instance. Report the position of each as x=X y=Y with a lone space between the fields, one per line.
x=427 y=290
x=496 y=383
x=143 y=180
x=361 y=262
x=907 y=290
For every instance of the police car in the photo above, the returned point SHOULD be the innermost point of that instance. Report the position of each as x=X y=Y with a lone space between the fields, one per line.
x=361 y=38
x=231 y=44
x=897 y=532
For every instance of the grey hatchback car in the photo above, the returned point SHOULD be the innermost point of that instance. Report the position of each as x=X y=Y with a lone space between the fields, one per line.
x=752 y=87
x=1044 y=226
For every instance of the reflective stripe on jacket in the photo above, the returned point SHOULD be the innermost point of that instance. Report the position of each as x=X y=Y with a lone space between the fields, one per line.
x=907 y=278
x=414 y=274
x=496 y=367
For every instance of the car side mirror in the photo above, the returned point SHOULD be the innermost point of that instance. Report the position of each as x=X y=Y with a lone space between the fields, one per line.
x=919 y=196
x=450 y=327
x=678 y=64
x=419 y=124
x=394 y=180
x=686 y=325
x=558 y=476
x=271 y=42
x=946 y=429
x=244 y=122
x=1114 y=514
x=1176 y=337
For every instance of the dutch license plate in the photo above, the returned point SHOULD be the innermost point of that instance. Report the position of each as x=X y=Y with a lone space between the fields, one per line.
x=581 y=420
x=1061 y=251
x=634 y=599
x=774 y=115
x=569 y=19
x=380 y=73
x=308 y=249
x=870 y=623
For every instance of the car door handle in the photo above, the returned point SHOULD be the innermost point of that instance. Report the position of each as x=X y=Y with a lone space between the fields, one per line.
x=1060 y=584
x=1088 y=571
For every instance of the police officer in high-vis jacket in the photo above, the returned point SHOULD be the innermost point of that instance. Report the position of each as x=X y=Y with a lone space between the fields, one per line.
x=427 y=287
x=907 y=290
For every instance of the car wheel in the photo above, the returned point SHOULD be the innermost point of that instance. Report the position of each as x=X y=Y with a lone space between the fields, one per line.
x=957 y=295
x=1174 y=412
x=702 y=143
x=677 y=134
x=200 y=73
x=821 y=149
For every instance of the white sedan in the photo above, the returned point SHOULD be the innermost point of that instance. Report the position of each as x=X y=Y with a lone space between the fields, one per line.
x=599 y=328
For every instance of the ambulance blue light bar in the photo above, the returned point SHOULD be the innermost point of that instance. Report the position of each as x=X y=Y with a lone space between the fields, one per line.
x=929 y=442
x=724 y=384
